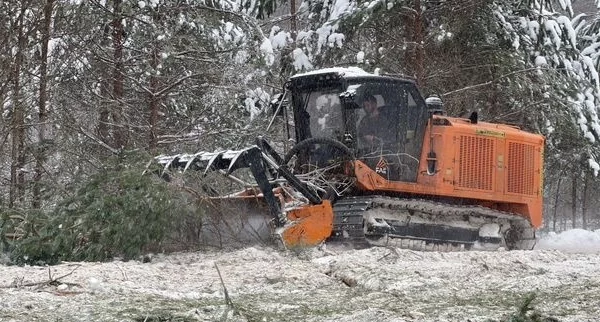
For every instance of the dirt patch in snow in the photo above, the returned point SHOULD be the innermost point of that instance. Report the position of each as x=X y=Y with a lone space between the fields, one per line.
x=263 y=284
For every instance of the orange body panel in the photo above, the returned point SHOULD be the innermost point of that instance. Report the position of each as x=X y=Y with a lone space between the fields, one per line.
x=310 y=225
x=496 y=166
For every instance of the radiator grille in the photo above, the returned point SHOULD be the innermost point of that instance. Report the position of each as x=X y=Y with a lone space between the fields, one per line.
x=476 y=163
x=521 y=172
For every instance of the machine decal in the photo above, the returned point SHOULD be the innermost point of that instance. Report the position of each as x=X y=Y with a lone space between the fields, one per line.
x=382 y=166
x=496 y=134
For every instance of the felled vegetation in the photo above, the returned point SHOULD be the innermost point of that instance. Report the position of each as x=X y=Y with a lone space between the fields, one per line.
x=527 y=313
x=118 y=212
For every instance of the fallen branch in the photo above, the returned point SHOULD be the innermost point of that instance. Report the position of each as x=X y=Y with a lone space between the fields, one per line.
x=393 y=251
x=227 y=298
x=125 y=278
x=51 y=281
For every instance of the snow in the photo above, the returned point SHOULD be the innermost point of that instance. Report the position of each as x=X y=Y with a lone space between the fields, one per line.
x=335 y=39
x=302 y=35
x=346 y=71
x=589 y=63
x=255 y=101
x=594 y=166
x=541 y=61
x=267 y=50
x=331 y=283
x=554 y=32
x=340 y=7
x=279 y=39
x=323 y=34
x=574 y=241
x=533 y=27
x=360 y=57
x=301 y=61
x=565 y=23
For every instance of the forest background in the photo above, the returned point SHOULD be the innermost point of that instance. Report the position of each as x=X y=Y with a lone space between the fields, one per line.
x=92 y=90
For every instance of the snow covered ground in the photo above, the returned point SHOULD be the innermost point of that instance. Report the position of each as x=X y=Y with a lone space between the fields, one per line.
x=375 y=284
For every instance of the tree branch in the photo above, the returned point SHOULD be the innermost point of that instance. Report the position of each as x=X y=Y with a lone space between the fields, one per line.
x=50 y=281
x=493 y=80
x=98 y=141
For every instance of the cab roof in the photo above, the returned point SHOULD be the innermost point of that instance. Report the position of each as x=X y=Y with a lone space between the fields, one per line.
x=334 y=75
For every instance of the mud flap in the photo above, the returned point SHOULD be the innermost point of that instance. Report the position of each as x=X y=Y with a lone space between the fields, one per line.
x=309 y=225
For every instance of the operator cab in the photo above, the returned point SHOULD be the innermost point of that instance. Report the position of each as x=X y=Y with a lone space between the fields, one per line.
x=331 y=104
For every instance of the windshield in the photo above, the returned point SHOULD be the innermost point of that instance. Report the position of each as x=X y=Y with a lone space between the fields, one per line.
x=325 y=113
x=392 y=112
x=379 y=118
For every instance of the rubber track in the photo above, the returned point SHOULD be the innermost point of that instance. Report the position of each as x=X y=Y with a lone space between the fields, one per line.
x=525 y=235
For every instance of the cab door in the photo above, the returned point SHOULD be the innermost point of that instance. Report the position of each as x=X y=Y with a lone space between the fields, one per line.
x=396 y=156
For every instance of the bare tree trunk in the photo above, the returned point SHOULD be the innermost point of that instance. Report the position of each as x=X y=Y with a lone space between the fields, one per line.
x=584 y=201
x=103 y=132
x=563 y=222
x=574 y=201
x=556 y=204
x=120 y=132
x=419 y=43
x=40 y=156
x=153 y=100
x=415 y=55
x=293 y=27
x=17 y=176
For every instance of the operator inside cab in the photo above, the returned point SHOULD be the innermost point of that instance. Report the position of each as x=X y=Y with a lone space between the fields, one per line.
x=374 y=128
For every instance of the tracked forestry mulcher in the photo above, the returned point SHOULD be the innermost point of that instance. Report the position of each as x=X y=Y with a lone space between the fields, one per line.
x=398 y=173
